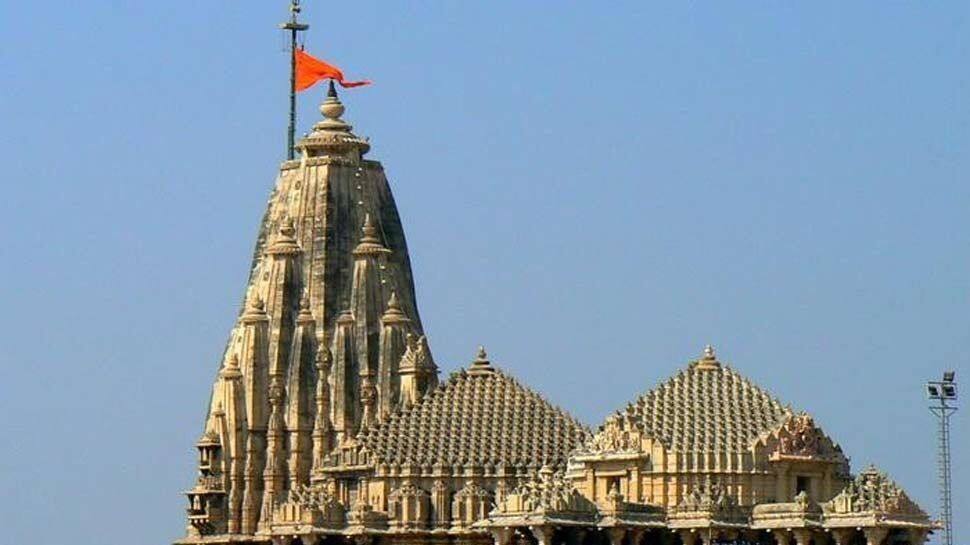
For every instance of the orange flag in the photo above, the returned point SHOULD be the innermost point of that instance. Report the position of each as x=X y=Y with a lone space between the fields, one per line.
x=310 y=70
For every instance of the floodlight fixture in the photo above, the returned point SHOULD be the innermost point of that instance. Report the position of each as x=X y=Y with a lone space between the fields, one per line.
x=949 y=391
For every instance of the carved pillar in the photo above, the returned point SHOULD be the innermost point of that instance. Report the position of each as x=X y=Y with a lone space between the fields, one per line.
x=273 y=472
x=578 y=536
x=842 y=536
x=688 y=537
x=875 y=536
x=543 y=534
x=321 y=423
x=802 y=536
x=616 y=535
x=502 y=536
x=781 y=537
x=440 y=503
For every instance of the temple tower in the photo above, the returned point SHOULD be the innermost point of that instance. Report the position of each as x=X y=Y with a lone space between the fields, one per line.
x=314 y=356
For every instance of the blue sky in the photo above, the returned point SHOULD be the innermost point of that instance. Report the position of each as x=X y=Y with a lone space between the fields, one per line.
x=591 y=190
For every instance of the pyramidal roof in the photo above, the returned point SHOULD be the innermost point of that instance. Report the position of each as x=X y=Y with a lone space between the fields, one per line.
x=479 y=417
x=707 y=407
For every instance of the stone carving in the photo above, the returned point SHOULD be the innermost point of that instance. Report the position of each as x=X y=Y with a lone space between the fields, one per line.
x=472 y=503
x=550 y=493
x=873 y=491
x=803 y=438
x=616 y=435
x=710 y=496
x=417 y=355
x=409 y=505
x=310 y=504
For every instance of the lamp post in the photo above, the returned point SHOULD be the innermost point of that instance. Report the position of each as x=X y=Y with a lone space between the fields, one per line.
x=942 y=396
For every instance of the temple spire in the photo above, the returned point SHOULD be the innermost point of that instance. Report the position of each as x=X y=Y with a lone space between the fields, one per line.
x=313 y=223
x=395 y=327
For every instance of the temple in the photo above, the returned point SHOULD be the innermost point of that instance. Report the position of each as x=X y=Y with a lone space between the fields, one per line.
x=328 y=425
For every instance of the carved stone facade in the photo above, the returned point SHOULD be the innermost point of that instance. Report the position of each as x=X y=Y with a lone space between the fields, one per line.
x=328 y=425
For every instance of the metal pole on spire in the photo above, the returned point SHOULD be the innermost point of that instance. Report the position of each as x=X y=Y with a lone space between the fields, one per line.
x=294 y=27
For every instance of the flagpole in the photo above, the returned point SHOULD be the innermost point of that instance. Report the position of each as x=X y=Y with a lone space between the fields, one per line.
x=294 y=27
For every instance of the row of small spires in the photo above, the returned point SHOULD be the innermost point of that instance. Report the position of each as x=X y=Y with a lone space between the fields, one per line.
x=698 y=408
x=421 y=434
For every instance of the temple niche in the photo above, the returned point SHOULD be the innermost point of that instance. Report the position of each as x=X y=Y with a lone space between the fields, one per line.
x=328 y=424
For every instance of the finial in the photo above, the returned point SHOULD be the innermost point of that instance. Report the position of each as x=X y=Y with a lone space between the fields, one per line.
x=481 y=364
x=709 y=352
x=284 y=243
x=370 y=243
x=709 y=359
x=231 y=369
x=393 y=314
x=286 y=227
x=332 y=109
x=370 y=231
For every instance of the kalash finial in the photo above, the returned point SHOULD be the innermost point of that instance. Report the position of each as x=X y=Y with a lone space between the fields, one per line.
x=480 y=365
x=332 y=135
x=370 y=243
x=332 y=108
x=709 y=359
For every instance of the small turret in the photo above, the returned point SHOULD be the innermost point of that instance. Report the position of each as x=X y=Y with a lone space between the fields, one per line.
x=417 y=370
x=395 y=327
x=206 y=510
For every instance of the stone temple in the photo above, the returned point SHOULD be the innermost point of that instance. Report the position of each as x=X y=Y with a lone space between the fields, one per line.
x=328 y=424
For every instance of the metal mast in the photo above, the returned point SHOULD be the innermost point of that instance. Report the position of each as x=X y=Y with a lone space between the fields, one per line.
x=293 y=26
x=939 y=393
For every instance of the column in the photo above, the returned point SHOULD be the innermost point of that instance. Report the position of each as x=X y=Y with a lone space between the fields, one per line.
x=543 y=534
x=875 y=536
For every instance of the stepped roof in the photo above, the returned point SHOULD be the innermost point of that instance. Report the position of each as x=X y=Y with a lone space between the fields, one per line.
x=707 y=407
x=479 y=417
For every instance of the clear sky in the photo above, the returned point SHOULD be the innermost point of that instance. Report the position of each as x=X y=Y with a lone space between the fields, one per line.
x=591 y=190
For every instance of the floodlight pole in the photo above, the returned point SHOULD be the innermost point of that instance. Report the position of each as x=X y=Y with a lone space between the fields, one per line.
x=943 y=411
